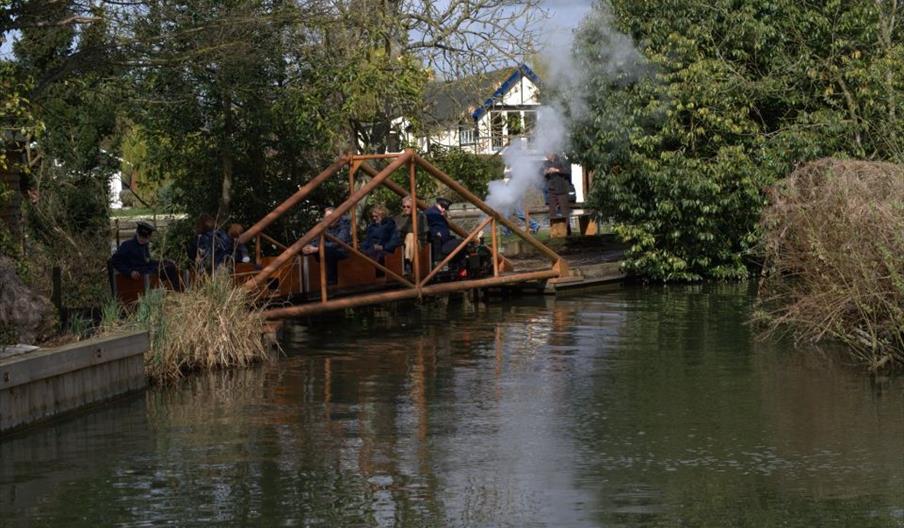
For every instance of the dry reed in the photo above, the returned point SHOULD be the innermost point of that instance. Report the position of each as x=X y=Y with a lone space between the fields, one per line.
x=833 y=240
x=212 y=325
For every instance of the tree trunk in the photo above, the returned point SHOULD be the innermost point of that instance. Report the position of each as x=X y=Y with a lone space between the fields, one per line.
x=227 y=160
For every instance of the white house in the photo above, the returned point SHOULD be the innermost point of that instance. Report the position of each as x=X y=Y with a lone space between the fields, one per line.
x=455 y=117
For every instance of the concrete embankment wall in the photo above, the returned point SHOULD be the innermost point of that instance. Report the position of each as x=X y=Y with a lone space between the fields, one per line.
x=45 y=383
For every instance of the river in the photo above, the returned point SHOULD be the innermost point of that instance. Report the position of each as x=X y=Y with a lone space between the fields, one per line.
x=638 y=406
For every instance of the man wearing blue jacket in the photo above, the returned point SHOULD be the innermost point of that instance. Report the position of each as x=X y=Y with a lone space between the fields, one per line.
x=133 y=257
x=441 y=237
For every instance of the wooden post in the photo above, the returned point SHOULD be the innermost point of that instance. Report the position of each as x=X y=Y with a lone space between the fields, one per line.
x=495 y=251
x=354 y=211
x=322 y=253
x=412 y=181
x=56 y=292
x=558 y=227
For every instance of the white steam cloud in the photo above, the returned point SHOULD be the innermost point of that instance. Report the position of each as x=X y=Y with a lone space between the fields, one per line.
x=606 y=53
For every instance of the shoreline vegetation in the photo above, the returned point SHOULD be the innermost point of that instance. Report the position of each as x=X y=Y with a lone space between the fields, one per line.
x=833 y=237
x=685 y=113
x=211 y=325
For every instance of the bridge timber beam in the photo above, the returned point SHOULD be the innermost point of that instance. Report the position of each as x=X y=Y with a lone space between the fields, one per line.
x=408 y=293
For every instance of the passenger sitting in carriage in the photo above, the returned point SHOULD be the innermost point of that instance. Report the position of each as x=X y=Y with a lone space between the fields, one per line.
x=440 y=235
x=133 y=258
x=380 y=238
x=341 y=229
x=210 y=247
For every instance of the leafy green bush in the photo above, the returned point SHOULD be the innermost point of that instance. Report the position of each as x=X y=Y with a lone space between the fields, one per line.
x=725 y=101
x=474 y=171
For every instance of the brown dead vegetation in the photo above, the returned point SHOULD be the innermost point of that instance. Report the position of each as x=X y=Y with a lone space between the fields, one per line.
x=833 y=239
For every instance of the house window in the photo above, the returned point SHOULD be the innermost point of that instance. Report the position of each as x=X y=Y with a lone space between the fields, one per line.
x=530 y=122
x=394 y=142
x=497 y=129
x=513 y=120
x=466 y=135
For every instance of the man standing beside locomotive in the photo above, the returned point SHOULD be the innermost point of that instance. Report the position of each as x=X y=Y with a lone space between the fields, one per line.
x=557 y=173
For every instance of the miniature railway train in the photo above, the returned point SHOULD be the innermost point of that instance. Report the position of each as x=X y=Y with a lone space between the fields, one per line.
x=300 y=279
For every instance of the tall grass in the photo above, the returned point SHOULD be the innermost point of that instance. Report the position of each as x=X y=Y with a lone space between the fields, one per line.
x=211 y=325
x=833 y=240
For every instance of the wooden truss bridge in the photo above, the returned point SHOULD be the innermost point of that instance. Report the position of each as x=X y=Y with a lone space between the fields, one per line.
x=363 y=280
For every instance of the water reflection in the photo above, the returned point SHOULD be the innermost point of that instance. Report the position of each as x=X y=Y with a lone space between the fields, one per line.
x=635 y=407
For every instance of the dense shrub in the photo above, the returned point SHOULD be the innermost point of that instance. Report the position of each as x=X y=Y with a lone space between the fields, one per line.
x=833 y=239
x=474 y=171
x=698 y=105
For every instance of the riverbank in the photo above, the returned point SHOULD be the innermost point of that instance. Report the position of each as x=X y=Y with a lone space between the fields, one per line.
x=620 y=408
x=36 y=385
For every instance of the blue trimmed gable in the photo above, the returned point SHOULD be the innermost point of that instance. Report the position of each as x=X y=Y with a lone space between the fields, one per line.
x=523 y=70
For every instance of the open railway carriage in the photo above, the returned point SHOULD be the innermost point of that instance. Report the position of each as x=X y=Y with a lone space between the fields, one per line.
x=301 y=281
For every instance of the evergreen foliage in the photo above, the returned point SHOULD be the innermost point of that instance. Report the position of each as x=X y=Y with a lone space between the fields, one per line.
x=474 y=171
x=731 y=97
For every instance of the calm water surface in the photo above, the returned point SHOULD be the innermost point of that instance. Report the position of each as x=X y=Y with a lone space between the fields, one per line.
x=635 y=407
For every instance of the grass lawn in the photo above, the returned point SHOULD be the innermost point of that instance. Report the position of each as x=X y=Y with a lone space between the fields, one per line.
x=132 y=212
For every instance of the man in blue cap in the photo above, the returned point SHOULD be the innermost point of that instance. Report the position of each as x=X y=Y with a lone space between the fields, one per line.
x=133 y=257
x=443 y=242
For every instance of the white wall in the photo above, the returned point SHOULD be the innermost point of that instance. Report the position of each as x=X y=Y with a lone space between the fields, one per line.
x=115 y=189
x=522 y=93
x=577 y=179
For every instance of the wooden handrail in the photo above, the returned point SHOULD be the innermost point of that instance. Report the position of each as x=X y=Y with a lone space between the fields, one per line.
x=376 y=264
x=400 y=191
x=340 y=210
x=457 y=250
x=291 y=201
x=471 y=197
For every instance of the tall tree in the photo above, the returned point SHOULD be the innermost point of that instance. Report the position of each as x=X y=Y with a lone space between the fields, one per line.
x=64 y=53
x=235 y=86
x=226 y=106
x=741 y=93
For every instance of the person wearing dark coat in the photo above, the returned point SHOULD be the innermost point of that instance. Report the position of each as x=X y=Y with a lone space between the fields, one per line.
x=133 y=258
x=379 y=238
x=557 y=173
x=437 y=222
x=210 y=247
x=441 y=237
x=341 y=229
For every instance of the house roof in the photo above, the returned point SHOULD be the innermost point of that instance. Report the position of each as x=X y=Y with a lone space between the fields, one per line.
x=523 y=70
x=450 y=101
